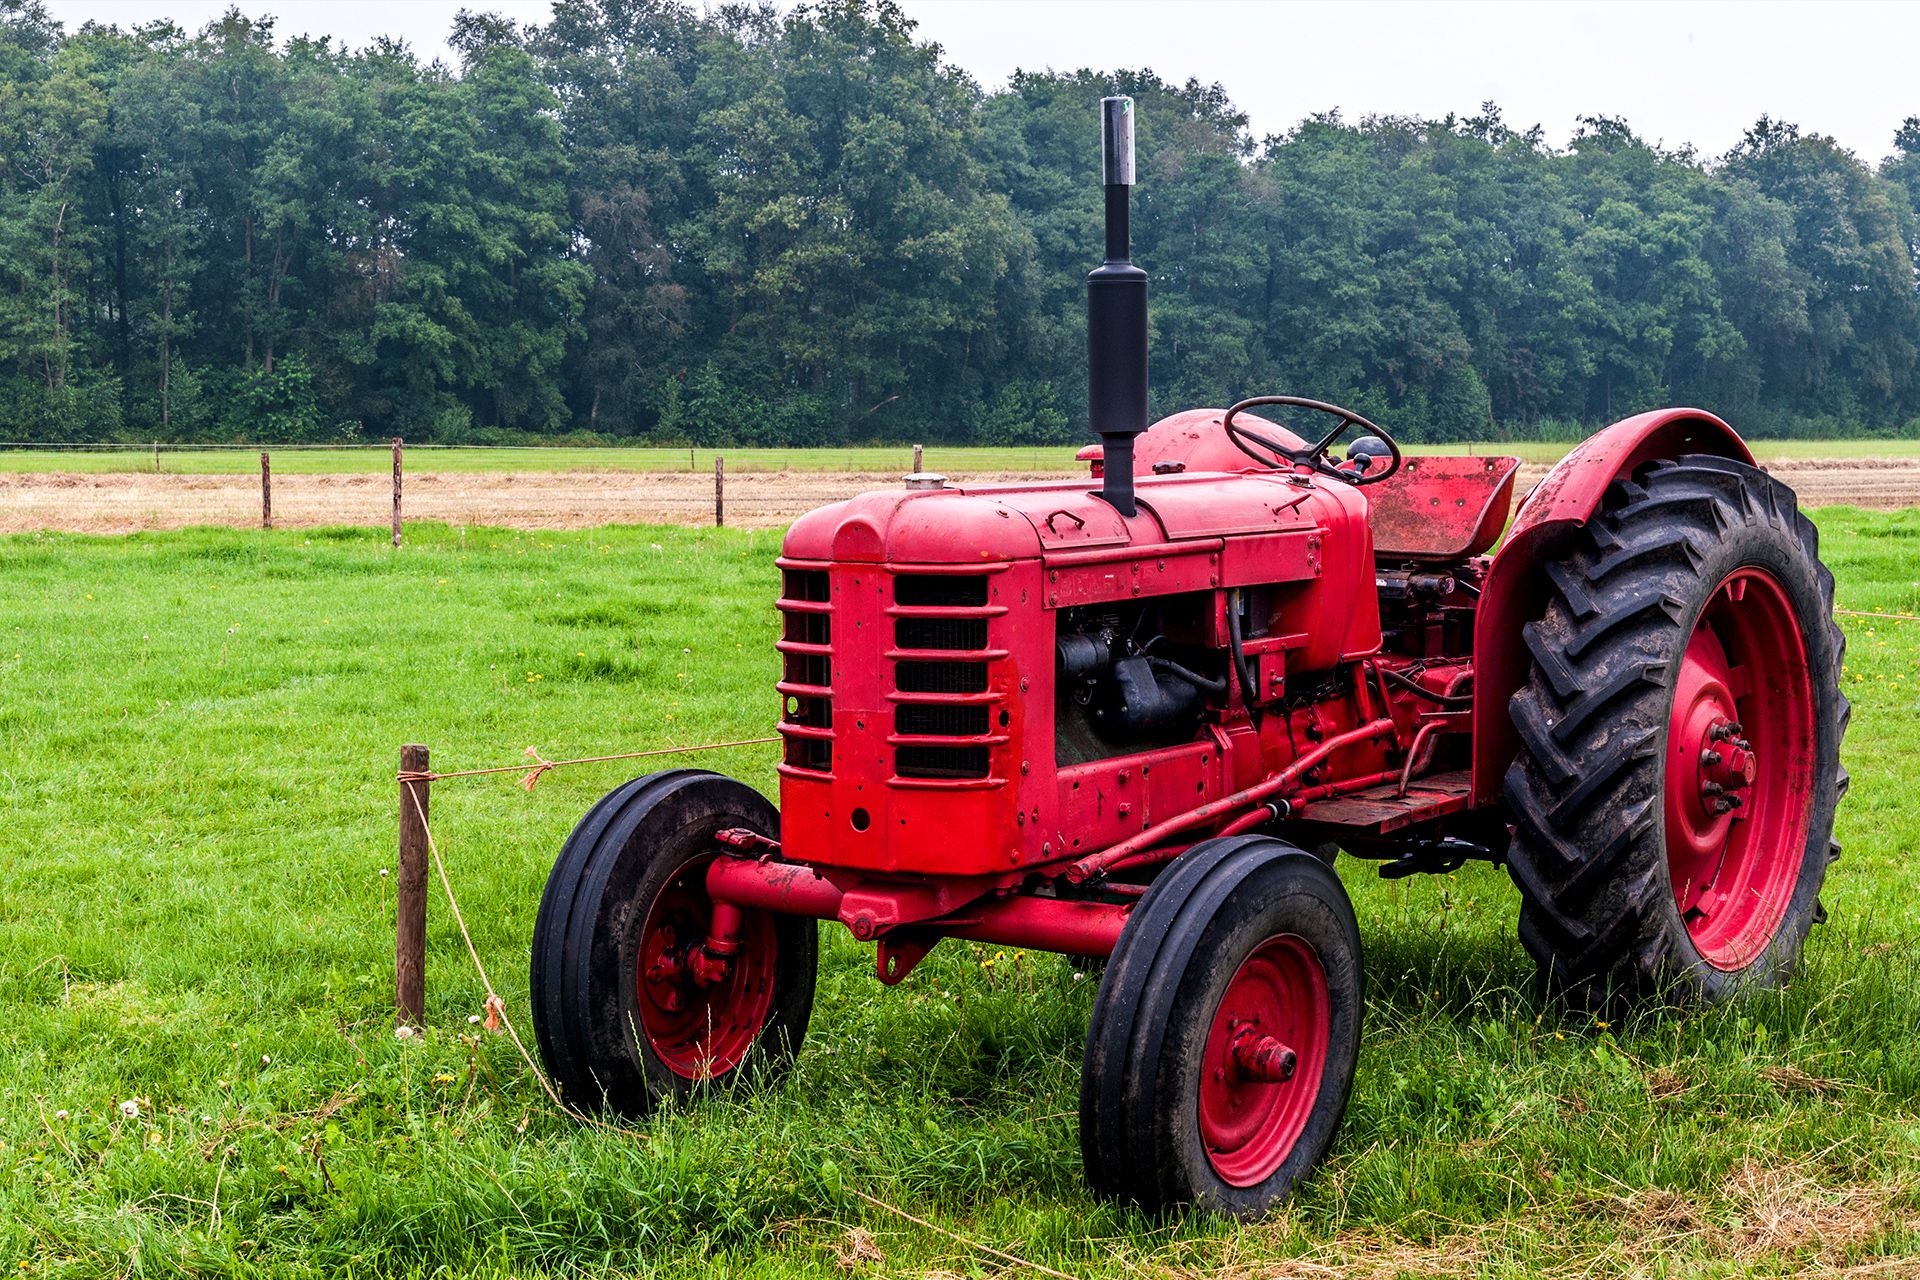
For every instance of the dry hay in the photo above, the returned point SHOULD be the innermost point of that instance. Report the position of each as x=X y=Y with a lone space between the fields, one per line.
x=1759 y=1217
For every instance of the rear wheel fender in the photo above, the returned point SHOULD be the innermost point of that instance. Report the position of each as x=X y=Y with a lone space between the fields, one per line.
x=1516 y=590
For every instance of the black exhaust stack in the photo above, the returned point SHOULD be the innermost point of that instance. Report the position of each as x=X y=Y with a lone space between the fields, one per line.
x=1117 y=318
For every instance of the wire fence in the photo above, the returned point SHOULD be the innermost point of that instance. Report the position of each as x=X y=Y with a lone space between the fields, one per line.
x=99 y=488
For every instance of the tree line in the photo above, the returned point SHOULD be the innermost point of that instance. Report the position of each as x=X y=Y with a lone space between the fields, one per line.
x=645 y=221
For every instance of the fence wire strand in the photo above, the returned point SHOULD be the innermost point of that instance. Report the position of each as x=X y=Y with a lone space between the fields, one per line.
x=411 y=780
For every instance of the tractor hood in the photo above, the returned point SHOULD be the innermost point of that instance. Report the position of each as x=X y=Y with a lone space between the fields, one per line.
x=988 y=523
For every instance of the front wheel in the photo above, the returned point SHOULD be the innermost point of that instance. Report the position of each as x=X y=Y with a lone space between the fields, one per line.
x=1225 y=1033
x=1674 y=794
x=624 y=1013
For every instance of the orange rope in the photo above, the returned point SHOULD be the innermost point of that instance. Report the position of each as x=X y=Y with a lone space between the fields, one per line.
x=543 y=764
x=496 y=1006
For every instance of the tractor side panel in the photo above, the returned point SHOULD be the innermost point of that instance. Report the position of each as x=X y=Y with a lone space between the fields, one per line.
x=1515 y=590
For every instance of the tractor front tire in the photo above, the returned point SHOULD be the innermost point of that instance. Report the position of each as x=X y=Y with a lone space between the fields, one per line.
x=1679 y=766
x=1224 y=1036
x=621 y=1020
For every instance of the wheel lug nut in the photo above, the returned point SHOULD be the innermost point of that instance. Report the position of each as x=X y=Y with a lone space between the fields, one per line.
x=1710 y=757
x=1713 y=788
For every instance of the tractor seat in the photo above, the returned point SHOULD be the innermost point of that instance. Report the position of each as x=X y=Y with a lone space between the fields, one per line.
x=1441 y=508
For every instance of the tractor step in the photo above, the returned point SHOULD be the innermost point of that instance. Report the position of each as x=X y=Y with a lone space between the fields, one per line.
x=1379 y=810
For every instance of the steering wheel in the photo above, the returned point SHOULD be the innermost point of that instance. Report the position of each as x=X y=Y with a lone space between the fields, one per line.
x=1271 y=453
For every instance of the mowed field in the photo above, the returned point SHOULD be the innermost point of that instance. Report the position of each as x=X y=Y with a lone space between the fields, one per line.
x=559 y=488
x=199 y=1075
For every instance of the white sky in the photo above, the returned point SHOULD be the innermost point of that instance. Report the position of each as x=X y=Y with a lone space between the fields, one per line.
x=1681 y=71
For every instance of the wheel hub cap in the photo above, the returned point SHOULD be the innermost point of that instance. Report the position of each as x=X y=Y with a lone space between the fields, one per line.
x=1739 y=760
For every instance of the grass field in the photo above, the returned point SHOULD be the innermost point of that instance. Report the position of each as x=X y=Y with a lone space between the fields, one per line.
x=198 y=734
x=882 y=459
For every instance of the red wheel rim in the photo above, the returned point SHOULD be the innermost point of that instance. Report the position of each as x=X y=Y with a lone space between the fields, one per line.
x=701 y=1029
x=1265 y=1056
x=1739 y=777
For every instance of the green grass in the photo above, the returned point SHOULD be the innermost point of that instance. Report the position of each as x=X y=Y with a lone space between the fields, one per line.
x=882 y=459
x=198 y=733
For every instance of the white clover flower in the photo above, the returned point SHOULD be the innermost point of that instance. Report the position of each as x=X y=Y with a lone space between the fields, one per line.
x=59 y=1115
x=130 y=1108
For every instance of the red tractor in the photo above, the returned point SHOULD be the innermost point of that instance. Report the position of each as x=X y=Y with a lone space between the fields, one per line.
x=1134 y=721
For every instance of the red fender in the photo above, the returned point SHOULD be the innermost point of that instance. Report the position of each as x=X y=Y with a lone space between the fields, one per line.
x=1515 y=591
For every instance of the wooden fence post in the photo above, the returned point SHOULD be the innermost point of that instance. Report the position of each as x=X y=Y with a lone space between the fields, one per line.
x=396 y=491
x=266 y=491
x=916 y=459
x=719 y=492
x=410 y=895
x=156 y=457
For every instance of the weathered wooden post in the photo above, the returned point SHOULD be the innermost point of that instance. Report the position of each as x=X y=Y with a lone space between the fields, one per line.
x=156 y=457
x=410 y=893
x=719 y=492
x=916 y=460
x=266 y=491
x=396 y=491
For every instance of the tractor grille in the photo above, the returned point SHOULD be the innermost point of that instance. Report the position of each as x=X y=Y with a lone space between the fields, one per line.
x=947 y=717
x=806 y=679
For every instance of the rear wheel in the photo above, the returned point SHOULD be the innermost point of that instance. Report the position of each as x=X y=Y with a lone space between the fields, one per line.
x=1674 y=793
x=1225 y=1032
x=624 y=1013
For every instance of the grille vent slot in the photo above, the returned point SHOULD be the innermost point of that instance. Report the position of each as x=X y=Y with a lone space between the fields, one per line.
x=941 y=677
x=941 y=633
x=809 y=668
x=810 y=753
x=940 y=719
x=808 y=628
x=806 y=584
x=940 y=590
x=941 y=762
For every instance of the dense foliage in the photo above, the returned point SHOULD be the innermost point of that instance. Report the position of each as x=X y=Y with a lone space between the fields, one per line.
x=643 y=220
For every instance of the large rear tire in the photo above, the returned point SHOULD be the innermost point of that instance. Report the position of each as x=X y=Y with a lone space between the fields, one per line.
x=1225 y=1033
x=1674 y=793
x=620 y=1018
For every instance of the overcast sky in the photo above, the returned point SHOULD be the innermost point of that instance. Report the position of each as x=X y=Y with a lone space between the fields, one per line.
x=1679 y=72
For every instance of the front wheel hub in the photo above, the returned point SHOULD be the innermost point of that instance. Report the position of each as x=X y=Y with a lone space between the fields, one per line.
x=1739 y=745
x=1259 y=1058
x=700 y=1012
x=1265 y=1056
